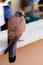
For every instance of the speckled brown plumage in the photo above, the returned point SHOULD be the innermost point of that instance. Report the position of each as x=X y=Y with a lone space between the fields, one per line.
x=16 y=26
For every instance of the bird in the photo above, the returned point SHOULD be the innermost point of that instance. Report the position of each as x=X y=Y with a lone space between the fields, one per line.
x=16 y=26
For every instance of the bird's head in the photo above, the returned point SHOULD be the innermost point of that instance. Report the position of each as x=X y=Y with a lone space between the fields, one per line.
x=19 y=13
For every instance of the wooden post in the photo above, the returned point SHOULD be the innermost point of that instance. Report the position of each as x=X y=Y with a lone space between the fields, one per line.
x=33 y=8
x=1 y=0
x=41 y=15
